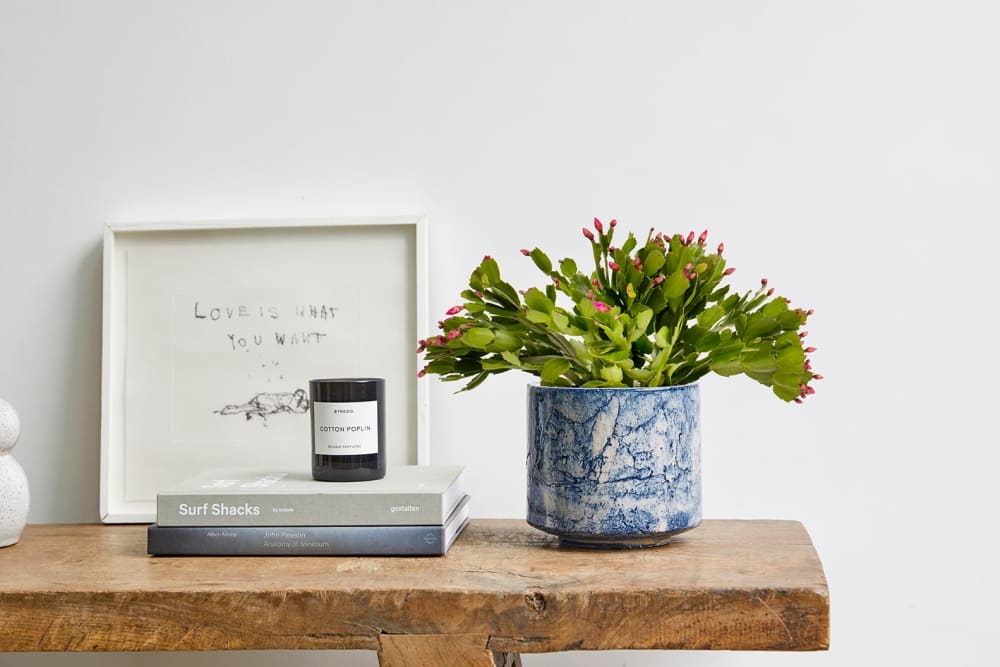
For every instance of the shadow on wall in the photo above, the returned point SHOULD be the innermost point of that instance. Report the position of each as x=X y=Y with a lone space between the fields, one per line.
x=78 y=474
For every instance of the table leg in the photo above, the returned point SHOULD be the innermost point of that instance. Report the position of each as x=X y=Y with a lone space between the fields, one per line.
x=424 y=650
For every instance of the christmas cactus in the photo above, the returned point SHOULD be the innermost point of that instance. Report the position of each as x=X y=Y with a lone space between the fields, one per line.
x=648 y=315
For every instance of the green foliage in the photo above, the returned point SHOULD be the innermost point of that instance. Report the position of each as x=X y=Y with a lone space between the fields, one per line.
x=648 y=315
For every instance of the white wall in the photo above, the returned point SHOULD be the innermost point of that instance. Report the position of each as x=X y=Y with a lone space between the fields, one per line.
x=850 y=151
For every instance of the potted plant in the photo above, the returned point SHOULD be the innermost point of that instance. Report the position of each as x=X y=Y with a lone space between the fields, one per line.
x=613 y=432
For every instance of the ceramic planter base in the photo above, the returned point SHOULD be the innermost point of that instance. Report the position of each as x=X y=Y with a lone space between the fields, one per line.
x=614 y=468
x=620 y=542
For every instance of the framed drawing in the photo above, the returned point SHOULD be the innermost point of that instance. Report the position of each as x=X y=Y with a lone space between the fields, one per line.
x=213 y=330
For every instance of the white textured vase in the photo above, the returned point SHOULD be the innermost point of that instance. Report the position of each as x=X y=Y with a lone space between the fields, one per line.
x=13 y=482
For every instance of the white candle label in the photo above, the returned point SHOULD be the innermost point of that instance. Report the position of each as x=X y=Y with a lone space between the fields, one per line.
x=345 y=428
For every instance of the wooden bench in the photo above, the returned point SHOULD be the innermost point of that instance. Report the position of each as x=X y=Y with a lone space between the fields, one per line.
x=503 y=589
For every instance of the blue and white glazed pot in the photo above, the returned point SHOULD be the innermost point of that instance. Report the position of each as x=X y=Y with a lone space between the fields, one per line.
x=614 y=468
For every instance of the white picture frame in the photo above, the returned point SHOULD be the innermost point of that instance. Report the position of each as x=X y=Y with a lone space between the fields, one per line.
x=192 y=305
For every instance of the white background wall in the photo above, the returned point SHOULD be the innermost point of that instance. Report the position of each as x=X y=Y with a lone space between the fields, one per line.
x=848 y=150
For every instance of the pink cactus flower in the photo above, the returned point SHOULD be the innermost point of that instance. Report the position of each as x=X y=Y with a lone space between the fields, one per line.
x=454 y=310
x=601 y=307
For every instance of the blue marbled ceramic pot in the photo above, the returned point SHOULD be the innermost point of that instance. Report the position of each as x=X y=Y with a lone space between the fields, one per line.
x=614 y=468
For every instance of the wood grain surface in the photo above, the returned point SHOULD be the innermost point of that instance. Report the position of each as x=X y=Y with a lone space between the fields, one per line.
x=503 y=587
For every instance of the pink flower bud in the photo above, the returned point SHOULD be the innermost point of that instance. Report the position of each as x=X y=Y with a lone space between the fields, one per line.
x=422 y=372
x=763 y=281
x=440 y=324
x=809 y=391
x=525 y=252
x=657 y=280
x=810 y=311
x=590 y=294
x=486 y=257
x=479 y=294
x=614 y=266
x=601 y=307
x=555 y=281
x=598 y=226
x=770 y=292
x=521 y=292
x=453 y=334
x=722 y=246
x=687 y=267
x=690 y=238
x=454 y=310
x=809 y=350
x=595 y=282
x=799 y=401
x=728 y=272
x=703 y=238
x=589 y=234
x=613 y=223
x=817 y=376
x=803 y=334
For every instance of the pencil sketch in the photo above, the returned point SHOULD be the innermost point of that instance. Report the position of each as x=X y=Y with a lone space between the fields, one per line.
x=269 y=403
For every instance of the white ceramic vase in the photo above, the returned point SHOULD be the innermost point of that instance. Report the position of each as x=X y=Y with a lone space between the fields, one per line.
x=13 y=482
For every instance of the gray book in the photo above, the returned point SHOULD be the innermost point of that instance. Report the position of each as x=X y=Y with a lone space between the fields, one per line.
x=406 y=496
x=308 y=540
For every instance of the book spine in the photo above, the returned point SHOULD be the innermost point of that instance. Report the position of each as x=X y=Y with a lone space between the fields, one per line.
x=402 y=509
x=297 y=541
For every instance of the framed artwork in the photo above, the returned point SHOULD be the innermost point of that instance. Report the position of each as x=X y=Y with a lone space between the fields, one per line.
x=213 y=330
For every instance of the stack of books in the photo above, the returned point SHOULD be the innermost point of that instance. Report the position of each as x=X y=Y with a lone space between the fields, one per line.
x=412 y=511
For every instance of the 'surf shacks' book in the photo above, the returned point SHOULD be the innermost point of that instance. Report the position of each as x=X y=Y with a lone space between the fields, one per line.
x=406 y=496
x=308 y=540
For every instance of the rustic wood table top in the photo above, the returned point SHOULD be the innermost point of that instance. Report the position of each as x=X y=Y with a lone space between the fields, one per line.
x=503 y=589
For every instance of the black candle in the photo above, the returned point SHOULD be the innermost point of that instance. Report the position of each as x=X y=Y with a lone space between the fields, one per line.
x=348 y=429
